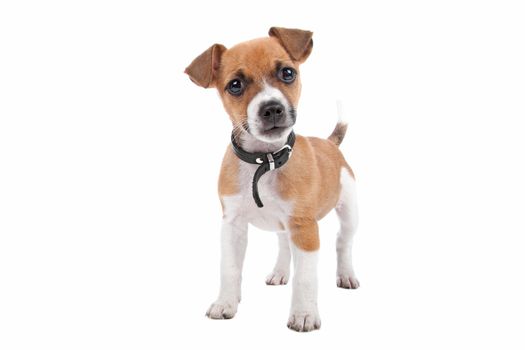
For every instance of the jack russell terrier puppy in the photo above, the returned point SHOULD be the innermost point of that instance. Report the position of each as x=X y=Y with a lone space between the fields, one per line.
x=272 y=178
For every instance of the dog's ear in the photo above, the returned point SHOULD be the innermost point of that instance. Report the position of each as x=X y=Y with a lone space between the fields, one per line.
x=298 y=43
x=203 y=69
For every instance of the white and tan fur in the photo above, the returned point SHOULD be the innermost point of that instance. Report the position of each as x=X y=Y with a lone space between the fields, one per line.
x=315 y=180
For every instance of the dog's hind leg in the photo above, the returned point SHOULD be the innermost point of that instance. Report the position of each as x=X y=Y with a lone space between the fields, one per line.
x=347 y=212
x=281 y=271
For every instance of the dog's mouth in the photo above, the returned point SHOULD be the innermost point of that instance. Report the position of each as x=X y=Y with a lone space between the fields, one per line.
x=275 y=127
x=275 y=130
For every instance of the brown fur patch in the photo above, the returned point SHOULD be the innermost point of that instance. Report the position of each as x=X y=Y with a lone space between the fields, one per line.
x=297 y=42
x=203 y=70
x=311 y=177
x=229 y=176
x=311 y=180
x=304 y=233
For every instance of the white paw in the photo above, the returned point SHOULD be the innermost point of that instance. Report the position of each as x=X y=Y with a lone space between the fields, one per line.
x=347 y=281
x=304 y=321
x=277 y=277
x=221 y=310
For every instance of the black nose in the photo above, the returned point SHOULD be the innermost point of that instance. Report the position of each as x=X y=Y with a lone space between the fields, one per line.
x=271 y=111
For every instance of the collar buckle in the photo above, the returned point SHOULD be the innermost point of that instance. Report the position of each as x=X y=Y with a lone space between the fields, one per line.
x=270 y=161
x=270 y=155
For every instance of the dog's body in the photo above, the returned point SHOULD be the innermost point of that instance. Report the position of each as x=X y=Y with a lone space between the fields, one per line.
x=259 y=84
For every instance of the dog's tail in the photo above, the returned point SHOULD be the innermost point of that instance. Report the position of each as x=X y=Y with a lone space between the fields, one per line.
x=339 y=132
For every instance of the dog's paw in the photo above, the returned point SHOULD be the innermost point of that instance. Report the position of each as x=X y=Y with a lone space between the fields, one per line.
x=277 y=277
x=347 y=281
x=221 y=310
x=304 y=321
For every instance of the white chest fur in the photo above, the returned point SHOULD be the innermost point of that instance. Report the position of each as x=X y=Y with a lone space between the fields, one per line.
x=276 y=211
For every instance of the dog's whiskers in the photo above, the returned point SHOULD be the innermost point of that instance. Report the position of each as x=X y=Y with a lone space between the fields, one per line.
x=239 y=127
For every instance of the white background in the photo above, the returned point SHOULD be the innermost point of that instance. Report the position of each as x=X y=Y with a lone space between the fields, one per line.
x=109 y=157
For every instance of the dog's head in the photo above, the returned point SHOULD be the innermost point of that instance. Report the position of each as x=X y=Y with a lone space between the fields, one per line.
x=258 y=80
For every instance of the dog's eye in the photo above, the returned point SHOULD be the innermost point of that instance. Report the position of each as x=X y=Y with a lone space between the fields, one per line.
x=287 y=74
x=235 y=87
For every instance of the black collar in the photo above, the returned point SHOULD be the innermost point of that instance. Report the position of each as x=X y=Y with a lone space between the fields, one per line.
x=266 y=162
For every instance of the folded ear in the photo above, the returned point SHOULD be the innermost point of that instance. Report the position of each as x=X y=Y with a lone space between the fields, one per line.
x=203 y=69
x=298 y=43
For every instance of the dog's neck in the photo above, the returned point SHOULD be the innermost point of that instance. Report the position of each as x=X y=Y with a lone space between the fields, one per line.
x=251 y=144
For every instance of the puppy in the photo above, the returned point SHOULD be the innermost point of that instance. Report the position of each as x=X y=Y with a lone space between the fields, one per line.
x=272 y=178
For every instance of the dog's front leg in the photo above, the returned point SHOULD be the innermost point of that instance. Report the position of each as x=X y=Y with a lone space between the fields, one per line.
x=304 y=315
x=233 y=248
